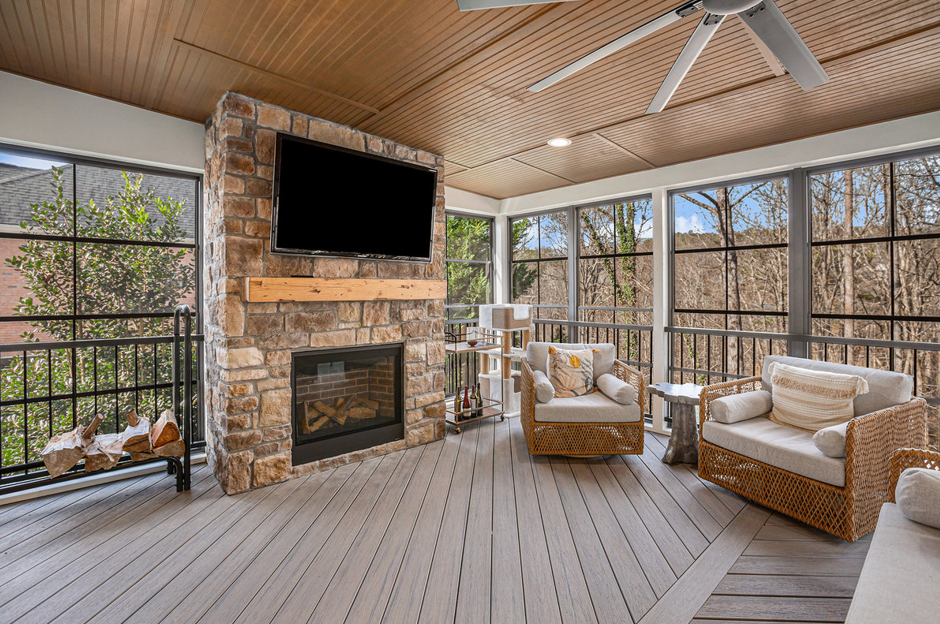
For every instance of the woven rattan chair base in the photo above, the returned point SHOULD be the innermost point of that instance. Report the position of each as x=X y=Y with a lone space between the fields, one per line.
x=585 y=439
x=817 y=504
x=578 y=439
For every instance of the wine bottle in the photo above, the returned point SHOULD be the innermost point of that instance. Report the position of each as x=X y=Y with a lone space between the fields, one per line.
x=479 y=402
x=474 y=407
x=458 y=406
x=466 y=401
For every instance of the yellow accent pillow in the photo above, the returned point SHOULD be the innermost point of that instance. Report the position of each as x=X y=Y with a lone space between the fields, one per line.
x=571 y=372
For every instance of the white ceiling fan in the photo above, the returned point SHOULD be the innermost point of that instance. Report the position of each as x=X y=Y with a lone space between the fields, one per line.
x=762 y=16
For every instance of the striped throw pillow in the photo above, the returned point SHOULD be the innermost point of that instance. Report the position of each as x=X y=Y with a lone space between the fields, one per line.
x=813 y=400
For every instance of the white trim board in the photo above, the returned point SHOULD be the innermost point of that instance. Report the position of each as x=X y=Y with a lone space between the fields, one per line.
x=39 y=115
x=465 y=201
x=882 y=138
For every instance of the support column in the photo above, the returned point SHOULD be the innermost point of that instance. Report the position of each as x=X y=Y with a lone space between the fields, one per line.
x=502 y=256
x=800 y=258
x=574 y=332
x=661 y=300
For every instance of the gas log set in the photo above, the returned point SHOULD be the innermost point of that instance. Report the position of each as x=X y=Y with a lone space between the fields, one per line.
x=103 y=451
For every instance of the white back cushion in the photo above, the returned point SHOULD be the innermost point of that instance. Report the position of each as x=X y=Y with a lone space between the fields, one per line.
x=885 y=388
x=537 y=355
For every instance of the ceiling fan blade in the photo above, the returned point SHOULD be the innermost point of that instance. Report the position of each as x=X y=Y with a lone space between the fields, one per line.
x=618 y=44
x=476 y=5
x=693 y=47
x=770 y=24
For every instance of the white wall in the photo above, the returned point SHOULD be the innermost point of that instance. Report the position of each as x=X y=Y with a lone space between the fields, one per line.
x=44 y=116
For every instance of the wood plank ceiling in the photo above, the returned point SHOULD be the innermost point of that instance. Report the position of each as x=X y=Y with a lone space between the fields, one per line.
x=421 y=73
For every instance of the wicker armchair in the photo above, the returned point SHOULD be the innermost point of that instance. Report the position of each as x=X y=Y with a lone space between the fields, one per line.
x=849 y=512
x=582 y=439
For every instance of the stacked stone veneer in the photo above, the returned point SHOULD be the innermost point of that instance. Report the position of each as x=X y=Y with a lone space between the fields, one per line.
x=248 y=345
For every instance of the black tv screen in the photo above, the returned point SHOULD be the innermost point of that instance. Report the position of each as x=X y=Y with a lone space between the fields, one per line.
x=332 y=201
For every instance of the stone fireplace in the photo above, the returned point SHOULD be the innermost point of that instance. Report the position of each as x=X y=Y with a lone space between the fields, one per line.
x=251 y=347
x=345 y=400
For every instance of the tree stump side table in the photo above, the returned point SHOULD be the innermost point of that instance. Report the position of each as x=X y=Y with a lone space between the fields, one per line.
x=683 y=443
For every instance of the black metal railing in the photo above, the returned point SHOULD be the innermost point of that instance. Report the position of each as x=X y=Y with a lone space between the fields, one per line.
x=706 y=356
x=48 y=388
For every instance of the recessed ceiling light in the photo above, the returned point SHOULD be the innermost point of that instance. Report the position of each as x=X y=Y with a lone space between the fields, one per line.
x=559 y=142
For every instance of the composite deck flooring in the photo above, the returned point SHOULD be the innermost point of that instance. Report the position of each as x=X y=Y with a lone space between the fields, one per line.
x=466 y=529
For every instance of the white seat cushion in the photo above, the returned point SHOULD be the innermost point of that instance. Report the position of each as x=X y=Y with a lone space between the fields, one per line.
x=593 y=407
x=901 y=574
x=779 y=446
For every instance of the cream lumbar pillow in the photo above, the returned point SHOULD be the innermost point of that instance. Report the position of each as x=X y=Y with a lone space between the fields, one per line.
x=742 y=406
x=616 y=389
x=571 y=372
x=544 y=391
x=831 y=440
x=918 y=495
x=813 y=400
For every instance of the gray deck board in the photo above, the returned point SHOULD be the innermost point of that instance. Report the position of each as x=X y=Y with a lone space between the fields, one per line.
x=467 y=529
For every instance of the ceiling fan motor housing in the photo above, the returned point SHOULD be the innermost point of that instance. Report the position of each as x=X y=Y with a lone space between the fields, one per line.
x=728 y=7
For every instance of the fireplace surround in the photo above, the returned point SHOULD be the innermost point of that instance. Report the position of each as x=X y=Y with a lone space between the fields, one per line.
x=345 y=399
x=251 y=342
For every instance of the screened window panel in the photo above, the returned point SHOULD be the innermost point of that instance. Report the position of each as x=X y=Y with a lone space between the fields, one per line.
x=851 y=204
x=758 y=213
x=553 y=282
x=525 y=283
x=870 y=279
x=123 y=205
x=525 y=238
x=596 y=285
x=700 y=281
x=917 y=187
x=468 y=238
x=917 y=277
x=699 y=220
x=553 y=235
x=597 y=230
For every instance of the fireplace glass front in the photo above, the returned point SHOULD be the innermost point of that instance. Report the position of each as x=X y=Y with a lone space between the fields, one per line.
x=345 y=400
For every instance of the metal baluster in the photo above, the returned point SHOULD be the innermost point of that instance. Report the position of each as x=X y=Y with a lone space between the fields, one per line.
x=25 y=416
x=49 y=386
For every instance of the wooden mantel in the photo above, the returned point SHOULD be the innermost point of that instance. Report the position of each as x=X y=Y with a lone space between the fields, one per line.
x=277 y=289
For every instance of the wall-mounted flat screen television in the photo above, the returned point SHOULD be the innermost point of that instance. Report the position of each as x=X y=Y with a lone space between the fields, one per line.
x=332 y=201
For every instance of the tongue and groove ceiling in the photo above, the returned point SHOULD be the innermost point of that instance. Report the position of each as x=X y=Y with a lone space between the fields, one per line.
x=421 y=73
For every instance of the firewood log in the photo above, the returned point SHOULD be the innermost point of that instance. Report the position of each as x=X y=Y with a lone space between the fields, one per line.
x=165 y=430
x=319 y=423
x=372 y=405
x=140 y=456
x=173 y=449
x=360 y=413
x=104 y=452
x=324 y=408
x=137 y=434
x=65 y=449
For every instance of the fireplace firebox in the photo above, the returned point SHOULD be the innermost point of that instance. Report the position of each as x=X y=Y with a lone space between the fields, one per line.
x=346 y=399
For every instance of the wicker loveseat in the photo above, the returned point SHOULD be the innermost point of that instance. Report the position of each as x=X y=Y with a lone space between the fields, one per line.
x=584 y=426
x=902 y=569
x=779 y=466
